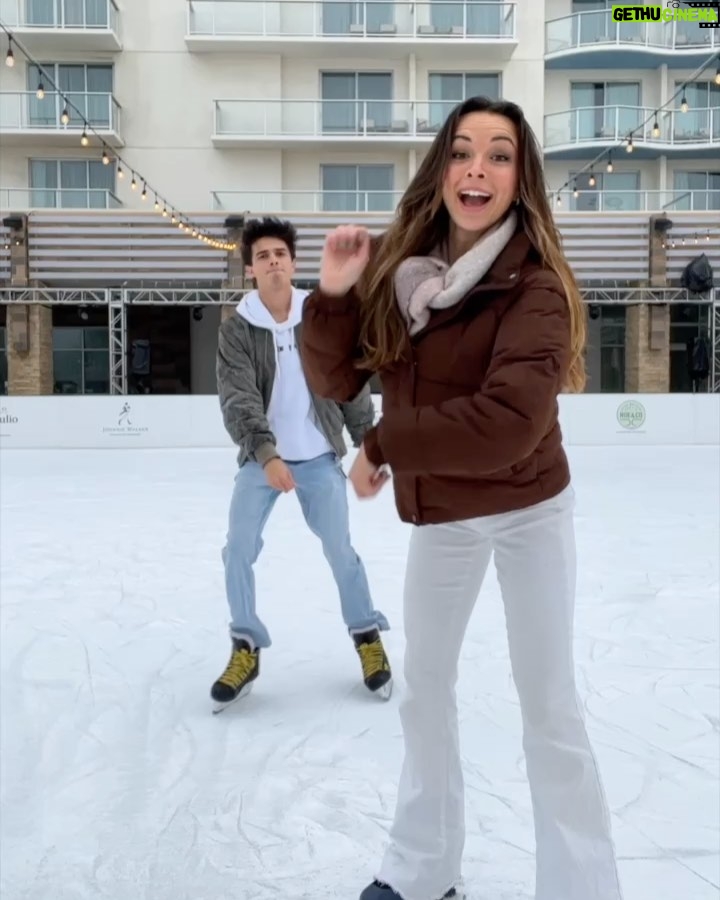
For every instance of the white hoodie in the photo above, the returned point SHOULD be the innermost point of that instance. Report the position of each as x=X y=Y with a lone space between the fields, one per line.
x=290 y=413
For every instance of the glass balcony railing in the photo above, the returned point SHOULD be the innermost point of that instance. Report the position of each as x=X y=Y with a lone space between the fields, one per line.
x=608 y=200
x=597 y=29
x=62 y=14
x=389 y=119
x=57 y=198
x=610 y=124
x=477 y=20
x=24 y=111
x=306 y=201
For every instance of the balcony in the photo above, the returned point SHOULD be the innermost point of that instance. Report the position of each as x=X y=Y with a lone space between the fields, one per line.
x=26 y=199
x=589 y=200
x=371 y=28
x=592 y=40
x=58 y=26
x=581 y=133
x=305 y=201
x=24 y=116
x=341 y=124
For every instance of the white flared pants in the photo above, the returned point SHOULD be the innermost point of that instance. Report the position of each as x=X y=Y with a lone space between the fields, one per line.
x=534 y=551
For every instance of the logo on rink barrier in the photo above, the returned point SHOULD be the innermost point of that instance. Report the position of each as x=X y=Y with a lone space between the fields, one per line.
x=7 y=419
x=631 y=415
x=124 y=426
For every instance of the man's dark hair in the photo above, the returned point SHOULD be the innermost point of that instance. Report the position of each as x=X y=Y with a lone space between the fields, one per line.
x=268 y=226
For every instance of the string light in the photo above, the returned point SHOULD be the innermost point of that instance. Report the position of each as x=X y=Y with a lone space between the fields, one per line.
x=671 y=243
x=627 y=140
x=161 y=205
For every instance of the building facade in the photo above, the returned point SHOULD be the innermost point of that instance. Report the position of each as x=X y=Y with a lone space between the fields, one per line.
x=322 y=112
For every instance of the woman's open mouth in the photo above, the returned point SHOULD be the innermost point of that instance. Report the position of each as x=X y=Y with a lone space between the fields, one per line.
x=474 y=199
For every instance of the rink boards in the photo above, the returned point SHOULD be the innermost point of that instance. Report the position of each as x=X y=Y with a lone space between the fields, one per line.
x=194 y=421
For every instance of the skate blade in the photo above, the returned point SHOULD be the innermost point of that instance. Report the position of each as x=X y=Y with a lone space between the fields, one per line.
x=221 y=707
x=385 y=692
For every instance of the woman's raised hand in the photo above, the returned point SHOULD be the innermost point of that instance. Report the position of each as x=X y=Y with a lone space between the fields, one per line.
x=345 y=255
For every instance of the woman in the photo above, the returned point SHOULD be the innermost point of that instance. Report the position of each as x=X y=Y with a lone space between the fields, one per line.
x=470 y=314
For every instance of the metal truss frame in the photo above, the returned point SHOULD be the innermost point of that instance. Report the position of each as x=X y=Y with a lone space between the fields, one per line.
x=118 y=301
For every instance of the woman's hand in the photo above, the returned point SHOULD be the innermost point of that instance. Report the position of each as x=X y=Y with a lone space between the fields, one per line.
x=345 y=255
x=366 y=479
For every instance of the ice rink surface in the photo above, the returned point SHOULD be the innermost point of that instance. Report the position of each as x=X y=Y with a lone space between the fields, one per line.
x=119 y=784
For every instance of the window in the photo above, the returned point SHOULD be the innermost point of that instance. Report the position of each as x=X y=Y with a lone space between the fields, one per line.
x=70 y=13
x=3 y=361
x=356 y=101
x=687 y=322
x=447 y=89
x=71 y=183
x=612 y=349
x=357 y=188
x=604 y=109
x=81 y=360
x=88 y=87
x=357 y=18
x=696 y=190
x=611 y=191
x=450 y=16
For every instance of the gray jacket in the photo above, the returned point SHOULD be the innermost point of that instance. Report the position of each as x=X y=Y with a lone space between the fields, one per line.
x=245 y=376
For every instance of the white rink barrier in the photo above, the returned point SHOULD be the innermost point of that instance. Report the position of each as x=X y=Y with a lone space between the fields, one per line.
x=194 y=421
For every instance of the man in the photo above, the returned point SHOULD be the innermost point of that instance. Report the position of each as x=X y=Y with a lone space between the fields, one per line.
x=290 y=440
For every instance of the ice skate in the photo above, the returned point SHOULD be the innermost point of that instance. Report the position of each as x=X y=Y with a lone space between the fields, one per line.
x=379 y=891
x=377 y=674
x=239 y=675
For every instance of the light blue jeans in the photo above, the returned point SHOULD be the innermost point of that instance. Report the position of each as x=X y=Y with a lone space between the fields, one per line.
x=320 y=485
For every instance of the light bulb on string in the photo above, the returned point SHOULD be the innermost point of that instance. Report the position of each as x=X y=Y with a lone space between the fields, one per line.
x=108 y=156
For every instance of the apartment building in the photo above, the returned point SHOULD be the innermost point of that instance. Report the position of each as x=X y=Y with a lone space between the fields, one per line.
x=322 y=111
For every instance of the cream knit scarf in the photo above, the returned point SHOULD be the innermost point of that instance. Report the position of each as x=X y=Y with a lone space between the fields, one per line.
x=423 y=283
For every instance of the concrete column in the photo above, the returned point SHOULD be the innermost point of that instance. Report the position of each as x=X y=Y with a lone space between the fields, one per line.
x=29 y=326
x=30 y=361
x=236 y=279
x=647 y=334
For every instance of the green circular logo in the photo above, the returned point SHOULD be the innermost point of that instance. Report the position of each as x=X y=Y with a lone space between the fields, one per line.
x=631 y=415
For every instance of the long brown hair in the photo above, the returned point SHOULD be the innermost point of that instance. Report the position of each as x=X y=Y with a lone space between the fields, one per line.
x=422 y=223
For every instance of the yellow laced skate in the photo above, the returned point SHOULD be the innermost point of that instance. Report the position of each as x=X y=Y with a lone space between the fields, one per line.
x=376 y=671
x=240 y=673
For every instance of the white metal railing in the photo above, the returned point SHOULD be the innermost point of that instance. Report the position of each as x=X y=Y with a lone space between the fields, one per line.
x=58 y=198
x=607 y=200
x=390 y=119
x=306 y=201
x=372 y=19
x=23 y=111
x=609 y=124
x=597 y=28
x=90 y=15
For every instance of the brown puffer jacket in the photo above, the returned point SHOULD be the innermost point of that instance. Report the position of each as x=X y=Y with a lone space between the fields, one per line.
x=470 y=416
